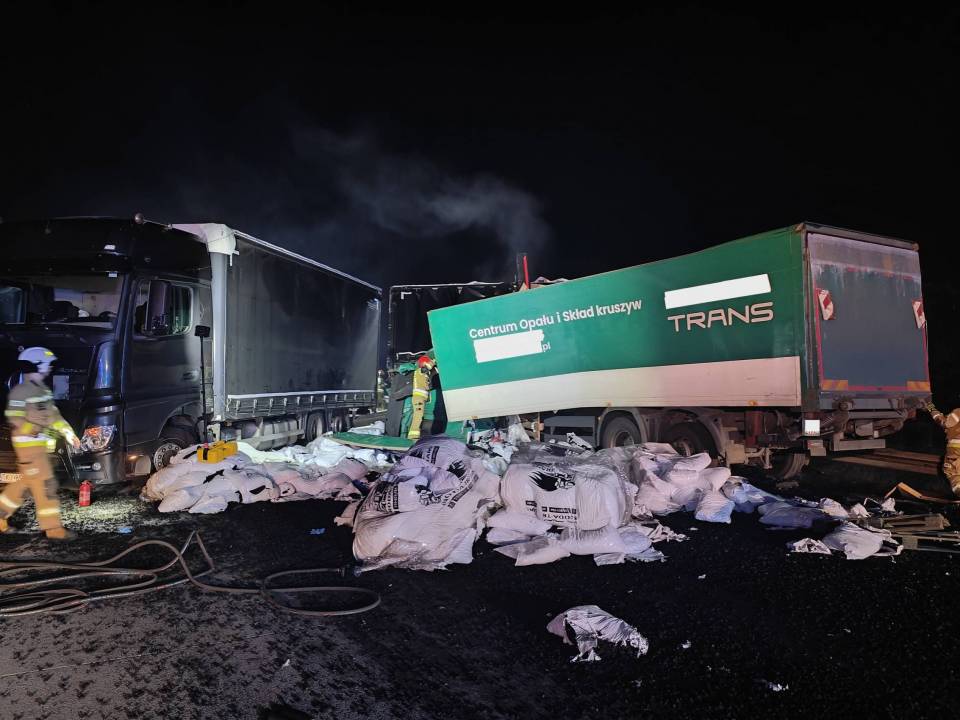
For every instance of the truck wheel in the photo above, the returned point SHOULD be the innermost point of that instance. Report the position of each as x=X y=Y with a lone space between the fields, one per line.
x=690 y=438
x=620 y=431
x=788 y=465
x=172 y=440
x=315 y=427
x=339 y=422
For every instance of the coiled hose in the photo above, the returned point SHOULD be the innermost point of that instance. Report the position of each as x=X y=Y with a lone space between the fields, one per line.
x=31 y=596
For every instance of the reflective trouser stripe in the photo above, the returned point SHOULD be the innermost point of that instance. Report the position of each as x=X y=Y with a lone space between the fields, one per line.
x=421 y=393
x=9 y=503
x=23 y=441
x=953 y=443
x=49 y=511
x=15 y=413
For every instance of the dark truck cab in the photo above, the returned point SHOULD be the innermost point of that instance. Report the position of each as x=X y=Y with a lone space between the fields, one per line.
x=80 y=287
x=118 y=302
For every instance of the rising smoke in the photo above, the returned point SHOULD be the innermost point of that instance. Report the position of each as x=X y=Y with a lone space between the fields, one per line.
x=342 y=198
x=409 y=199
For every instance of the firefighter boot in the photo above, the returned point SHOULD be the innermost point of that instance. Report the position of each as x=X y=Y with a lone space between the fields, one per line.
x=60 y=534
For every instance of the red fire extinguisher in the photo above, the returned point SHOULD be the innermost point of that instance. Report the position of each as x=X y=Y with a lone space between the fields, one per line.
x=85 y=487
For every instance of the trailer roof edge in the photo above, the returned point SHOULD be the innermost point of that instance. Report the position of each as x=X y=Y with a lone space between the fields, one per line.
x=857 y=235
x=221 y=244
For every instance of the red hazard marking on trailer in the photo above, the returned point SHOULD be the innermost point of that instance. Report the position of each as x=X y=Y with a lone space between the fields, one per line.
x=919 y=315
x=826 y=304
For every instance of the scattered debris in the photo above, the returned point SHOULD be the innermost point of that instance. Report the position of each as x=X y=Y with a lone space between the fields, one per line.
x=908 y=524
x=318 y=531
x=286 y=664
x=809 y=545
x=858 y=542
x=585 y=625
x=702 y=577
x=775 y=687
x=686 y=644
x=125 y=530
x=907 y=490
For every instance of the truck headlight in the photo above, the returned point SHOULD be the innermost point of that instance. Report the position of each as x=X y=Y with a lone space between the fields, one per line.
x=97 y=437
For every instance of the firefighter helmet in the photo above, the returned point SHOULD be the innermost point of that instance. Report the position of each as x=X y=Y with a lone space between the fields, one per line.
x=39 y=356
x=424 y=361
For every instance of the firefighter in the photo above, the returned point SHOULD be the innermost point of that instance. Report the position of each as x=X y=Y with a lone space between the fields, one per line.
x=951 y=461
x=35 y=424
x=420 y=396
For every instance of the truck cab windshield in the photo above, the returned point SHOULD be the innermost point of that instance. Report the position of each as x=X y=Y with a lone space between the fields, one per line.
x=38 y=299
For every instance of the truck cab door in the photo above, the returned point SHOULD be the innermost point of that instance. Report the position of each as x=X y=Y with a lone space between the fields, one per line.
x=163 y=368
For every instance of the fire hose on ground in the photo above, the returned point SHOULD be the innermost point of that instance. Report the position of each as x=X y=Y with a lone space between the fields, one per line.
x=37 y=595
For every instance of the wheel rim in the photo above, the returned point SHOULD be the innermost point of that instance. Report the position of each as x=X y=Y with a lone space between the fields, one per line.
x=623 y=439
x=684 y=447
x=162 y=455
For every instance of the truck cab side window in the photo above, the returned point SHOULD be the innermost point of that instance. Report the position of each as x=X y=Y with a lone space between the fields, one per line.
x=162 y=309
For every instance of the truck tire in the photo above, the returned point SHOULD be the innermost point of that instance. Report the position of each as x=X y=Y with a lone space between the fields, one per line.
x=339 y=421
x=788 y=465
x=315 y=427
x=620 y=431
x=690 y=438
x=172 y=440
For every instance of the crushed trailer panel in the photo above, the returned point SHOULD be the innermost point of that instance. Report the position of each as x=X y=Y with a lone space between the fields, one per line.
x=731 y=326
x=719 y=327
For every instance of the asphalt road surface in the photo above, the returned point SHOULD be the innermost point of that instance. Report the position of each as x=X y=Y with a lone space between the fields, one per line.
x=762 y=634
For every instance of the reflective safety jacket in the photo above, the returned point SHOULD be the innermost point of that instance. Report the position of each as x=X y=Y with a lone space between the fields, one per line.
x=34 y=419
x=951 y=424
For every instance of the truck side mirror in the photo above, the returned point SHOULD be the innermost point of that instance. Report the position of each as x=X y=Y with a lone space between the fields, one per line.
x=202 y=331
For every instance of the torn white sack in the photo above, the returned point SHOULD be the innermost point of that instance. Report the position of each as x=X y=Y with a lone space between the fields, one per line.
x=324 y=469
x=858 y=543
x=809 y=545
x=586 y=625
x=427 y=511
x=790 y=514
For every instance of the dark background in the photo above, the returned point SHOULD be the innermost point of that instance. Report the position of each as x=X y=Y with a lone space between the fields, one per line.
x=429 y=148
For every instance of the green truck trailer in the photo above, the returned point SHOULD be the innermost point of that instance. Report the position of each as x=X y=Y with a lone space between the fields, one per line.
x=763 y=350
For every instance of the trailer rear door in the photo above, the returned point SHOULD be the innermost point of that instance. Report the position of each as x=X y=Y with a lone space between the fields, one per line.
x=867 y=306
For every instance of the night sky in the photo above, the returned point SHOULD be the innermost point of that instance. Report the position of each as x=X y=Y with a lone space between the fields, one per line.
x=426 y=148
